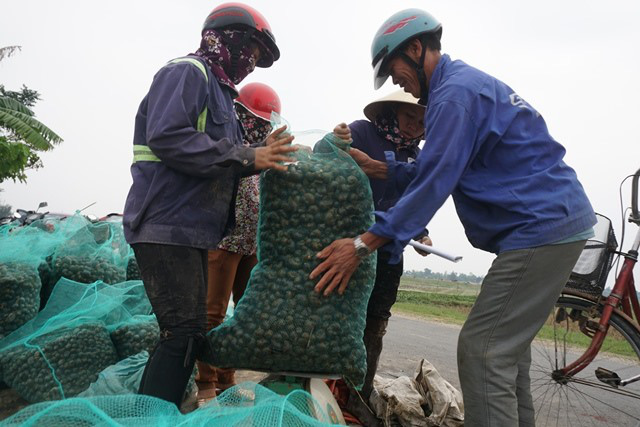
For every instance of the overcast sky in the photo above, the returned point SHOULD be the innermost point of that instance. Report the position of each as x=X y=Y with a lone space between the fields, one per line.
x=576 y=62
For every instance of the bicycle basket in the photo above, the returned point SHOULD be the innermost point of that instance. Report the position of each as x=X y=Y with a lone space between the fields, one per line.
x=590 y=272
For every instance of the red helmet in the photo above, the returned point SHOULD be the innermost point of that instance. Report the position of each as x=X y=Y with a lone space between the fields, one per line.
x=241 y=15
x=259 y=99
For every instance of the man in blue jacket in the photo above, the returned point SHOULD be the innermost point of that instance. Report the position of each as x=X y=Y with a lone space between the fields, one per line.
x=491 y=151
x=188 y=159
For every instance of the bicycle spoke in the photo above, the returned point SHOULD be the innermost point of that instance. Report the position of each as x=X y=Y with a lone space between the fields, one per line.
x=566 y=395
x=581 y=400
x=602 y=386
x=606 y=404
x=560 y=399
x=539 y=386
x=544 y=353
x=551 y=400
x=585 y=398
x=544 y=399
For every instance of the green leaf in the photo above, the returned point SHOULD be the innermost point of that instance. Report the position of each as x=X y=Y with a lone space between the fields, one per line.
x=12 y=104
x=34 y=133
x=13 y=160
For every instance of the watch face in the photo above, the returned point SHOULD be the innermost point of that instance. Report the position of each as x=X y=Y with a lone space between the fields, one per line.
x=362 y=252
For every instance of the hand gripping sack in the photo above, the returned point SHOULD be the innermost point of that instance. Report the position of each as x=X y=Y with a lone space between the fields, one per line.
x=281 y=324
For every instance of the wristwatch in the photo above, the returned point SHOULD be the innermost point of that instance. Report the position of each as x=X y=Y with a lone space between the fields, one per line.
x=362 y=250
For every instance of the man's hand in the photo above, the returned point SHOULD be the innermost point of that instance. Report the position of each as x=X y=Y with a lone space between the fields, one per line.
x=275 y=136
x=340 y=262
x=371 y=168
x=426 y=240
x=271 y=156
x=343 y=132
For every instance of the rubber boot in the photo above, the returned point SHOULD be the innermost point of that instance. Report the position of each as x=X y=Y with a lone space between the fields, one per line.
x=358 y=403
x=373 y=334
x=168 y=369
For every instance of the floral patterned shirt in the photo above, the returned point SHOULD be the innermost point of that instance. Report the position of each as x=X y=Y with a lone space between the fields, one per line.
x=242 y=239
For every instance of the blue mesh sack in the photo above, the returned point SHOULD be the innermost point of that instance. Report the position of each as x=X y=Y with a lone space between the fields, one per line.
x=281 y=324
x=61 y=351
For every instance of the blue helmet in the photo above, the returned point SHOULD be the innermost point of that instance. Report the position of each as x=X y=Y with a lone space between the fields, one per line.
x=398 y=29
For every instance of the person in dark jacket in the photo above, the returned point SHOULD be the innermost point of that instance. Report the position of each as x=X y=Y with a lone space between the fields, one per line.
x=492 y=152
x=188 y=159
x=394 y=129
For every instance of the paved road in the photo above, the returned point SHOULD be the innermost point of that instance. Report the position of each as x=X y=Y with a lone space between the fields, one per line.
x=409 y=340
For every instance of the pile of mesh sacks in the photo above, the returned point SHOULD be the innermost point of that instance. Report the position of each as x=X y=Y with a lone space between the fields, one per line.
x=66 y=310
x=87 y=252
x=281 y=324
x=82 y=330
x=35 y=257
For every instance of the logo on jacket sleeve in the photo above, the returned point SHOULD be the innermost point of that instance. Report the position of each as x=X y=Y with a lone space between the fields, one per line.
x=517 y=101
x=395 y=26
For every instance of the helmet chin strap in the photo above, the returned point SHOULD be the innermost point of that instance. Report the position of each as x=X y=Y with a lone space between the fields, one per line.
x=419 y=67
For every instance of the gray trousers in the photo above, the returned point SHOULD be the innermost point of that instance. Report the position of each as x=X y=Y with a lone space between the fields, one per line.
x=494 y=346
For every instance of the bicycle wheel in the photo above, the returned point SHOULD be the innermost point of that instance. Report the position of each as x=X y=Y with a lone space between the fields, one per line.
x=584 y=400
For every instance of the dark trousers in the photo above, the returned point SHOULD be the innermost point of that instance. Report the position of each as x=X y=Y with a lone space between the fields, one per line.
x=175 y=279
x=383 y=296
x=385 y=290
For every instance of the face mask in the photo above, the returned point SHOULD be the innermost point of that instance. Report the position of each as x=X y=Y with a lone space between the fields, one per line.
x=255 y=128
x=215 y=51
x=387 y=127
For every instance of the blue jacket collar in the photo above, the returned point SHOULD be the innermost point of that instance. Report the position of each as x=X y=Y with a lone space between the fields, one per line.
x=436 y=77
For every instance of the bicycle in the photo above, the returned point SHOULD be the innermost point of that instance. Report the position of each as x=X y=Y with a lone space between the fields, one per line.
x=573 y=386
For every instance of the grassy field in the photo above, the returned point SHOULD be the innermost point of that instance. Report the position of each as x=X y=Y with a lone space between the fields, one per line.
x=450 y=302
x=438 y=286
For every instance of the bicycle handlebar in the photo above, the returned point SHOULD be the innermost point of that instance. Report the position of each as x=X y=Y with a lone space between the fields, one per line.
x=635 y=214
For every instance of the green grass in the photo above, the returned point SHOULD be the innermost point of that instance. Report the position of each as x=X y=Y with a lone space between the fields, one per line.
x=440 y=306
x=451 y=302
x=439 y=286
x=614 y=343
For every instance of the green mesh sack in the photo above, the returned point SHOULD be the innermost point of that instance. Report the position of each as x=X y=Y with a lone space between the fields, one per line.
x=61 y=351
x=59 y=364
x=96 y=251
x=141 y=333
x=281 y=324
x=133 y=271
x=71 y=247
x=247 y=404
x=22 y=250
x=19 y=295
